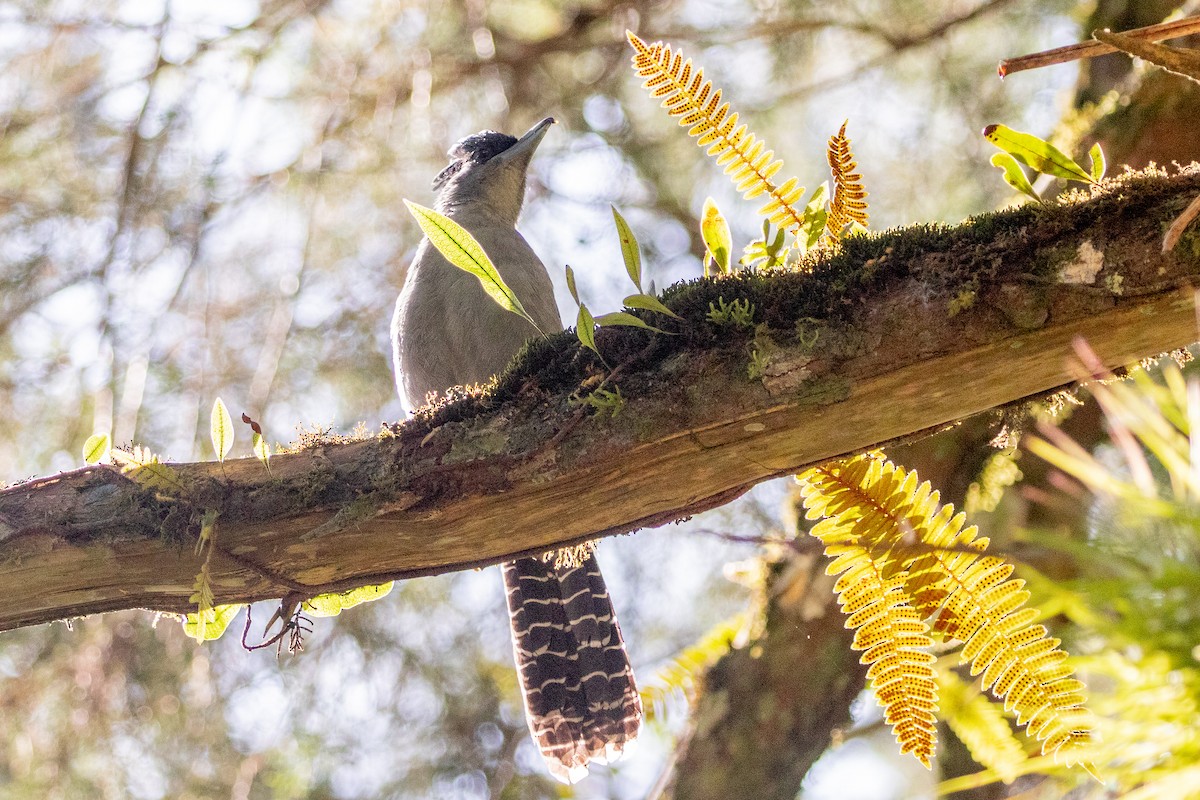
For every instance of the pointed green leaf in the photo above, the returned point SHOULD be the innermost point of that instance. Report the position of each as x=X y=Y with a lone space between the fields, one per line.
x=220 y=429
x=1098 y=165
x=1036 y=153
x=211 y=623
x=714 y=229
x=585 y=329
x=571 y=284
x=625 y=319
x=629 y=249
x=1014 y=176
x=462 y=250
x=96 y=448
x=330 y=605
x=650 y=303
x=260 y=448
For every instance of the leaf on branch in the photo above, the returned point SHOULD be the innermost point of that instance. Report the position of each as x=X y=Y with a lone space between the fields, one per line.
x=96 y=448
x=211 y=623
x=220 y=429
x=714 y=229
x=462 y=250
x=649 y=302
x=1014 y=176
x=330 y=605
x=1036 y=153
x=631 y=254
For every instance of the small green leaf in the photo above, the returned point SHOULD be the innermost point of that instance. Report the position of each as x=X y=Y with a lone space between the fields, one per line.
x=629 y=249
x=625 y=319
x=462 y=250
x=571 y=284
x=816 y=213
x=96 y=448
x=1014 y=176
x=1099 y=167
x=1036 y=153
x=715 y=231
x=330 y=605
x=260 y=448
x=211 y=623
x=585 y=329
x=650 y=303
x=220 y=429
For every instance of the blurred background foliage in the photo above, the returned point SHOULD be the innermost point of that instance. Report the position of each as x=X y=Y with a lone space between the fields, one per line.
x=202 y=199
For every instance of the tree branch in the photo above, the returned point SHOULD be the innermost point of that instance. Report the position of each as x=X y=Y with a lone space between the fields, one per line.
x=901 y=333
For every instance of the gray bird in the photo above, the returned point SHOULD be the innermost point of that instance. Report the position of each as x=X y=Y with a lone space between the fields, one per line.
x=580 y=698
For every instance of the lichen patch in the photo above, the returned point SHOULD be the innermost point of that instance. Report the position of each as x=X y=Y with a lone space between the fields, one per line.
x=1086 y=266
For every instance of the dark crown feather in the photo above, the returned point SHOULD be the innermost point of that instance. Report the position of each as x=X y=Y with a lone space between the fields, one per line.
x=478 y=148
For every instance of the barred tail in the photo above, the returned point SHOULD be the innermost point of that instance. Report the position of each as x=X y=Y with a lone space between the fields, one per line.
x=580 y=697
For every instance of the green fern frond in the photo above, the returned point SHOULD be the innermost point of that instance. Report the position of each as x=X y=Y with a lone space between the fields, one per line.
x=745 y=157
x=980 y=725
x=144 y=468
x=680 y=676
x=880 y=519
x=849 y=202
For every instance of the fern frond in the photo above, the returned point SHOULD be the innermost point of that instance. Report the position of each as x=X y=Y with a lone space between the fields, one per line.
x=147 y=470
x=923 y=546
x=680 y=676
x=849 y=202
x=750 y=165
x=981 y=726
x=887 y=627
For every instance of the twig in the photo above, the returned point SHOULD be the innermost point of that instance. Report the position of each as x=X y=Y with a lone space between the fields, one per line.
x=1093 y=48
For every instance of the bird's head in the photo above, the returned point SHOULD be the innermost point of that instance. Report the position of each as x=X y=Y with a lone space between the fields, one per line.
x=488 y=169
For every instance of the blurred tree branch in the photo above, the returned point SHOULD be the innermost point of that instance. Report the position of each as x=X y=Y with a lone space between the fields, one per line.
x=938 y=326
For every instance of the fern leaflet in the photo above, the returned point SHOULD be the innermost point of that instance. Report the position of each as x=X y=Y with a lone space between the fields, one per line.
x=747 y=161
x=849 y=202
x=880 y=523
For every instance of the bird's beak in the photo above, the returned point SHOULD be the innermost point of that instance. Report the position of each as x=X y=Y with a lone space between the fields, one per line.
x=522 y=151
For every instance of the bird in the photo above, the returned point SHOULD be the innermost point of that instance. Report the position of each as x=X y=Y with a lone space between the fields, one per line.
x=581 y=700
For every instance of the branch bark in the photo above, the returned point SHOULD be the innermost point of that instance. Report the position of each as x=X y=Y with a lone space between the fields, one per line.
x=901 y=333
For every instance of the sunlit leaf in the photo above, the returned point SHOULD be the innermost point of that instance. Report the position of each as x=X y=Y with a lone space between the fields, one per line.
x=260 y=448
x=96 y=448
x=462 y=250
x=1036 y=153
x=220 y=429
x=1014 y=176
x=1099 y=167
x=629 y=249
x=330 y=605
x=715 y=231
x=816 y=214
x=211 y=623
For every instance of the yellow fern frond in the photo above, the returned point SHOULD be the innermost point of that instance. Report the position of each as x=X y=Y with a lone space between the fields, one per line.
x=887 y=627
x=687 y=95
x=921 y=546
x=681 y=674
x=849 y=202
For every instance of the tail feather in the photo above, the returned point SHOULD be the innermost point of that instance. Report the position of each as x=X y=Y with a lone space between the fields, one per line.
x=580 y=697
